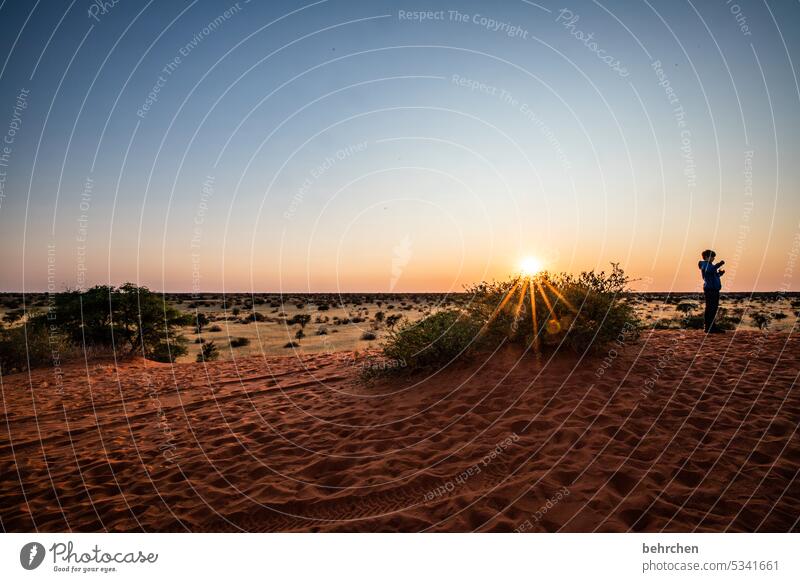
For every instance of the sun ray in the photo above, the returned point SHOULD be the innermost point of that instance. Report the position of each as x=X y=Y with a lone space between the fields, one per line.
x=499 y=308
x=519 y=304
x=560 y=296
x=546 y=300
x=533 y=316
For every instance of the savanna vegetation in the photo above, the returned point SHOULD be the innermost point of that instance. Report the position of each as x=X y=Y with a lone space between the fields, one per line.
x=274 y=324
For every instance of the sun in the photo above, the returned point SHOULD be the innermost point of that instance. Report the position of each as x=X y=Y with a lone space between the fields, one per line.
x=530 y=266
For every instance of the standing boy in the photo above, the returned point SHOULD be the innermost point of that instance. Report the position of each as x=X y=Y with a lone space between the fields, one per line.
x=711 y=288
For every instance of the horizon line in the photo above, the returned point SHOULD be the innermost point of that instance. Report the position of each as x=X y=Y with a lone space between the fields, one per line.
x=197 y=293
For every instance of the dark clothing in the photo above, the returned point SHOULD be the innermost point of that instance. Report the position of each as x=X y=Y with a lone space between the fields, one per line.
x=712 y=305
x=710 y=275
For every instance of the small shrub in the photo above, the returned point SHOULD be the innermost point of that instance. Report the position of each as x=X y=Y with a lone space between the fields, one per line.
x=393 y=320
x=239 y=342
x=723 y=321
x=760 y=319
x=291 y=345
x=300 y=319
x=433 y=341
x=14 y=315
x=208 y=352
x=368 y=336
x=214 y=328
x=694 y=322
x=168 y=351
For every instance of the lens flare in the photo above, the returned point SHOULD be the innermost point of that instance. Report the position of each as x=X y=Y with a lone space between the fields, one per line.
x=530 y=266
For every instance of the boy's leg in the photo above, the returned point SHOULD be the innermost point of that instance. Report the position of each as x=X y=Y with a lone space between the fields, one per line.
x=708 y=316
x=715 y=308
x=712 y=306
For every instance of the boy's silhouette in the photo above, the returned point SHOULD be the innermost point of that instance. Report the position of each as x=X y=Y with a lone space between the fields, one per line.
x=711 y=288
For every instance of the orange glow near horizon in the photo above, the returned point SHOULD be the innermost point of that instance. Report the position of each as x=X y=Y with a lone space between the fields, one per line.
x=530 y=265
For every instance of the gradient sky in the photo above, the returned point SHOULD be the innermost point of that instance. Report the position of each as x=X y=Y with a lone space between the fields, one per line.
x=340 y=145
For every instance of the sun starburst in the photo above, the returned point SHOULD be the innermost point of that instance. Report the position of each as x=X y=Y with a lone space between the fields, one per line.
x=530 y=266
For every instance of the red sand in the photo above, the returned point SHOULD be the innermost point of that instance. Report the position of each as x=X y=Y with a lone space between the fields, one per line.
x=277 y=444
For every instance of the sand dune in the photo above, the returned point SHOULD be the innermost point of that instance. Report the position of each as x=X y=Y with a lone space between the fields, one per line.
x=680 y=432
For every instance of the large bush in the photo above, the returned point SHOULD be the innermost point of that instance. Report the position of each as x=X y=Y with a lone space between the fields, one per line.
x=545 y=312
x=128 y=318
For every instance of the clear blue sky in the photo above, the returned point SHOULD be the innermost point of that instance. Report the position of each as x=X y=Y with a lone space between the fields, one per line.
x=342 y=145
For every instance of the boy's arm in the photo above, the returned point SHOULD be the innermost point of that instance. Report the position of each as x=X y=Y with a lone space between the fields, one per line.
x=718 y=265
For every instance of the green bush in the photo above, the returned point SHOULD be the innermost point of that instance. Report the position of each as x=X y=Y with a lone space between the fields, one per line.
x=239 y=342
x=256 y=316
x=583 y=313
x=31 y=345
x=167 y=351
x=433 y=341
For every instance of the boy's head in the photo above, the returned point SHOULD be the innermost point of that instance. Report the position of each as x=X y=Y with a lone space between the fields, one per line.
x=708 y=255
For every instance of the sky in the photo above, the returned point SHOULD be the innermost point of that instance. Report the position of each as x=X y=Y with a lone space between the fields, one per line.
x=396 y=146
